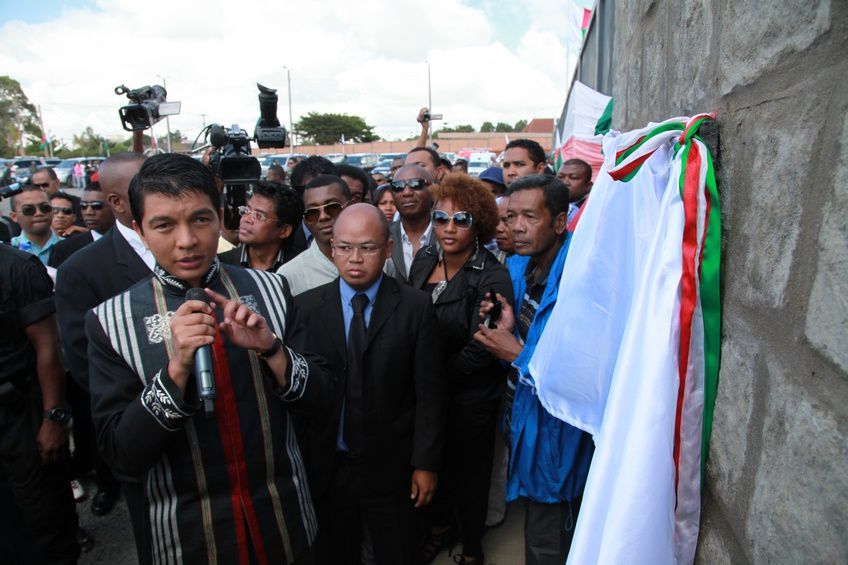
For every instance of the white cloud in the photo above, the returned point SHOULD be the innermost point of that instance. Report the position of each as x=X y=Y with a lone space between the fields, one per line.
x=365 y=58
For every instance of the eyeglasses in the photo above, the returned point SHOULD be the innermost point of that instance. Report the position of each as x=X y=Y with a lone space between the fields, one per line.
x=461 y=220
x=255 y=214
x=367 y=249
x=60 y=210
x=414 y=184
x=29 y=209
x=95 y=204
x=332 y=209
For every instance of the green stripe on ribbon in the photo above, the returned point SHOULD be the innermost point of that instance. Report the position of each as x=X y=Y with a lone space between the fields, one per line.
x=711 y=307
x=653 y=133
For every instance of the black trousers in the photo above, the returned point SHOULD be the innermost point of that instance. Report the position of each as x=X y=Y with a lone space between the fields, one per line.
x=42 y=493
x=549 y=530
x=139 y=513
x=86 y=454
x=347 y=505
x=464 y=485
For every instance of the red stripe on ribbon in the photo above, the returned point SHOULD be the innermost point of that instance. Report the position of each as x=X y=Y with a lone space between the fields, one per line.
x=230 y=430
x=618 y=174
x=688 y=287
x=621 y=152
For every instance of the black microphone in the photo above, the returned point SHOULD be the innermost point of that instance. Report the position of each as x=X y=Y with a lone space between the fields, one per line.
x=203 y=374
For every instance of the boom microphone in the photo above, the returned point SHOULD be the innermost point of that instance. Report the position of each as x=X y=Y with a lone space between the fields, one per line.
x=203 y=375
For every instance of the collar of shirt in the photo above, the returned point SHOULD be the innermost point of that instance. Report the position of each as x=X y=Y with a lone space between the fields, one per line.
x=307 y=234
x=95 y=235
x=137 y=245
x=43 y=253
x=406 y=243
x=244 y=259
x=349 y=292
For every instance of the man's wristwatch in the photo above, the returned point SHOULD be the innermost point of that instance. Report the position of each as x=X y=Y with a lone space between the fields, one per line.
x=59 y=414
x=278 y=344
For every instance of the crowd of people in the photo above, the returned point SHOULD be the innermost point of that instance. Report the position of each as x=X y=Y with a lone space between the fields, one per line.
x=368 y=338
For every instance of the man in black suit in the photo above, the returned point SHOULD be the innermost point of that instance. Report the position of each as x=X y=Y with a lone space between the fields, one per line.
x=376 y=458
x=96 y=273
x=98 y=218
x=410 y=190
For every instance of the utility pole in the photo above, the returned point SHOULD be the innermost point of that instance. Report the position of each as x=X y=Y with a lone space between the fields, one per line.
x=203 y=117
x=48 y=145
x=167 y=118
x=291 y=123
x=429 y=105
x=20 y=129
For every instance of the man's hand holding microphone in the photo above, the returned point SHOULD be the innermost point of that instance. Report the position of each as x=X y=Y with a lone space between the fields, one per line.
x=193 y=328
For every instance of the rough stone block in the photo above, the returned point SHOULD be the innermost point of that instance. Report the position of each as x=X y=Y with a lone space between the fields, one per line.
x=690 y=73
x=758 y=34
x=799 y=508
x=827 y=314
x=734 y=407
x=768 y=159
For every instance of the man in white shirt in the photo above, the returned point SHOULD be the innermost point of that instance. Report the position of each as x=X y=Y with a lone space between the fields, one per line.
x=324 y=198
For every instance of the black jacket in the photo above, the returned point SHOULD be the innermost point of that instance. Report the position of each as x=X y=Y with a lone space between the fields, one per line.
x=67 y=247
x=473 y=373
x=404 y=401
x=96 y=272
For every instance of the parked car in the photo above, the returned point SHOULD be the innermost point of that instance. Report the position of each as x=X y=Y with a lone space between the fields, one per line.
x=65 y=169
x=479 y=162
x=281 y=160
x=52 y=161
x=335 y=158
x=365 y=161
x=384 y=167
x=23 y=167
x=392 y=156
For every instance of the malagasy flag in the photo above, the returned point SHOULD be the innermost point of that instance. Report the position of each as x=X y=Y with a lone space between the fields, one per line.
x=631 y=351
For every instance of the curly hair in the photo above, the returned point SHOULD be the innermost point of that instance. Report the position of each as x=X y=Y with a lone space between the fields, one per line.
x=471 y=195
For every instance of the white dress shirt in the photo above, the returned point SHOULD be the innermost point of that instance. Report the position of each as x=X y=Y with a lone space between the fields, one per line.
x=137 y=245
x=406 y=242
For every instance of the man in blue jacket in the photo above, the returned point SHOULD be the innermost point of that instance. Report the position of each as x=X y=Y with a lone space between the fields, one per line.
x=549 y=459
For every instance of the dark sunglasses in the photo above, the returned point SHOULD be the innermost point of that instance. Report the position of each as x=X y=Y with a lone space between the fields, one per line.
x=95 y=204
x=41 y=185
x=461 y=220
x=414 y=184
x=60 y=210
x=29 y=209
x=333 y=209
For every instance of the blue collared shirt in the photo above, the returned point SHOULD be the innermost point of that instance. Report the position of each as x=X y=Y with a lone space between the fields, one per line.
x=23 y=243
x=348 y=293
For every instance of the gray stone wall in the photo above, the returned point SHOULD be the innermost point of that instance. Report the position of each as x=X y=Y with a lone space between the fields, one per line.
x=777 y=74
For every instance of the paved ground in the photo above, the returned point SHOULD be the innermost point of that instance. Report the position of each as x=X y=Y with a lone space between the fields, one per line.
x=113 y=541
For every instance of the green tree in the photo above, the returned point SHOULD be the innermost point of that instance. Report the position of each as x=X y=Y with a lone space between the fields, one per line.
x=487 y=127
x=16 y=113
x=326 y=129
x=464 y=128
x=503 y=126
x=520 y=125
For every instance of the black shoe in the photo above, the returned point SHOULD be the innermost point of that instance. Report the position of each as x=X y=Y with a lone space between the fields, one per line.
x=103 y=502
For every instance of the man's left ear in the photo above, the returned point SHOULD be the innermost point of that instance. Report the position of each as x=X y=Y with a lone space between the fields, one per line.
x=561 y=223
x=285 y=231
x=540 y=168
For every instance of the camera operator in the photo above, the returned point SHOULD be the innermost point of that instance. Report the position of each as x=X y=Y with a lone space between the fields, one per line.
x=267 y=223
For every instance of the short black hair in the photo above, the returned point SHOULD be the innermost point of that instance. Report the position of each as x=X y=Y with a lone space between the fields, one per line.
x=49 y=170
x=434 y=156
x=446 y=164
x=556 y=193
x=329 y=180
x=93 y=186
x=288 y=205
x=172 y=175
x=587 y=168
x=311 y=167
x=278 y=169
x=534 y=150
x=25 y=188
x=354 y=173
x=61 y=194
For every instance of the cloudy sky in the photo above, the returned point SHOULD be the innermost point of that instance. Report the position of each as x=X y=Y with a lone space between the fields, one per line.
x=490 y=60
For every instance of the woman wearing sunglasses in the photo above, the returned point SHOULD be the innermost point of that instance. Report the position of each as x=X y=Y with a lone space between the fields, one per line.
x=459 y=273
